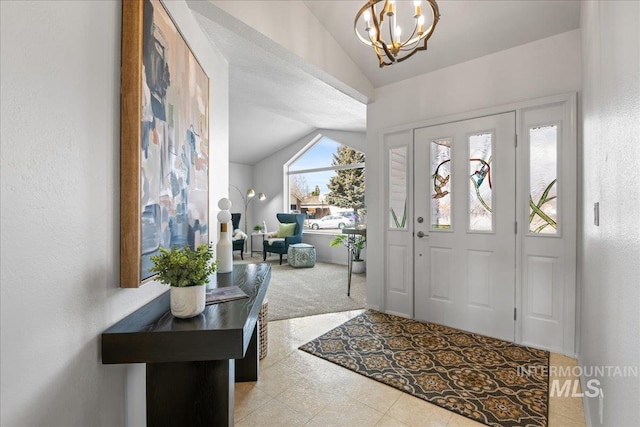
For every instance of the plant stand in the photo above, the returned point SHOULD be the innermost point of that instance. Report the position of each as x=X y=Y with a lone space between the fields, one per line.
x=352 y=234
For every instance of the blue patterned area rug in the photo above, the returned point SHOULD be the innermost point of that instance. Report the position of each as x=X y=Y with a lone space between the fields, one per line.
x=473 y=375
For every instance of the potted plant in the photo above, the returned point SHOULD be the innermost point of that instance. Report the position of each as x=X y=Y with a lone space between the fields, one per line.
x=187 y=271
x=358 y=264
x=257 y=228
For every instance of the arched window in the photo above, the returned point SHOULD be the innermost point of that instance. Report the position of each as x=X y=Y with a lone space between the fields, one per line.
x=326 y=182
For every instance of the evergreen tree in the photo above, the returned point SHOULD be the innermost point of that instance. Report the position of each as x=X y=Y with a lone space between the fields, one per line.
x=346 y=188
x=316 y=191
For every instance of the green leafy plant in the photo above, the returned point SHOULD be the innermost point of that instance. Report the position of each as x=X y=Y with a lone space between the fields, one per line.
x=403 y=222
x=358 y=244
x=257 y=228
x=536 y=209
x=183 y=266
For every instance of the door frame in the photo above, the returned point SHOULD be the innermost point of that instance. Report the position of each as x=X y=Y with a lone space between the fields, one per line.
x=570 y=309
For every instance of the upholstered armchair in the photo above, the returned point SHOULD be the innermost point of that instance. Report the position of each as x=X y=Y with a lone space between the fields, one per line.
x=238 y=244
x=280 y=243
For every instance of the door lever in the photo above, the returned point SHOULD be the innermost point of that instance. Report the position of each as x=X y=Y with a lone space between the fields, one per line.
x=421 y=234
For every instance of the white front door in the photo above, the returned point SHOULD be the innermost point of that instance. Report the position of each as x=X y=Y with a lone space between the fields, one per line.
x=464 y=225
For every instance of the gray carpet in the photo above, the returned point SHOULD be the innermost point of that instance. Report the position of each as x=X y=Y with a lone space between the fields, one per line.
x=300 y=292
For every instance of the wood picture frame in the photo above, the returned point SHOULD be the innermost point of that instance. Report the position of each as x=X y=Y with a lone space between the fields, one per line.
x=164 y=140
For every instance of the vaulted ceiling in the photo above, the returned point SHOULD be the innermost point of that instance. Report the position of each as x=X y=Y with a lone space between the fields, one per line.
x=275 y=99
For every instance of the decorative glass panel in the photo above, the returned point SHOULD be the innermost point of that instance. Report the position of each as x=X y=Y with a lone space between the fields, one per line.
x=543 y=179
x=480 y=185
x=441 y=184
x=398 y=187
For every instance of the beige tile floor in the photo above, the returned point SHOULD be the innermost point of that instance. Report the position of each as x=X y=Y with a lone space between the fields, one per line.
x=296 y=388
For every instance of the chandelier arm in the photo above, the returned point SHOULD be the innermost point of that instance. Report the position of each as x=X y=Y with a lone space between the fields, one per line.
x=427 y=34
x=381 y=61
x=376 y=25
x=413 y=45
x=411 y=37
x=368 y=5
x=424 y=47
x=388 y=53
x=384 y=8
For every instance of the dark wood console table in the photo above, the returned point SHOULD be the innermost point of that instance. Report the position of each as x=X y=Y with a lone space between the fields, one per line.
x=192 y=364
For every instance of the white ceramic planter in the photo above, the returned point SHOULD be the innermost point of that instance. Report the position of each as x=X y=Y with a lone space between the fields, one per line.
x=358 y=267
x=188 y=301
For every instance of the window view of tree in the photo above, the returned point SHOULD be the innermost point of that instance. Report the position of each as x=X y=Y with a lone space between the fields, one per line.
x=327 y=184
x=346 y=188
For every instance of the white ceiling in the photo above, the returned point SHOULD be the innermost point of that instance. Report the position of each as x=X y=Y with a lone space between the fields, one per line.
x=274 y=103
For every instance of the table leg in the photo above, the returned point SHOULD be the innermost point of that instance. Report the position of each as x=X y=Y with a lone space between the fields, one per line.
x=190 y=393
x=350 y=242
x=247 y=368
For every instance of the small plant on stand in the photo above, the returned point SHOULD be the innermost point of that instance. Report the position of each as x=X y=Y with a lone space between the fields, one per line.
x=357 y=246
x=187 y=271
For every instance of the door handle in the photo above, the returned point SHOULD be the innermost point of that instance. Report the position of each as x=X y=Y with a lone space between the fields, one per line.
x=421 y=234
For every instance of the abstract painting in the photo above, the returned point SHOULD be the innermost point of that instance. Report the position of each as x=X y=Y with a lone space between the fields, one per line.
x=164 y=141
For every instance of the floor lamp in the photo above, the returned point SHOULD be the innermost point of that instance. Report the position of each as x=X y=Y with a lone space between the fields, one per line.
x=247 y=198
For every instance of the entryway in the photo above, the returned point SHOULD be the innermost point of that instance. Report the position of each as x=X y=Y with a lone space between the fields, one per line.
x=480 y=233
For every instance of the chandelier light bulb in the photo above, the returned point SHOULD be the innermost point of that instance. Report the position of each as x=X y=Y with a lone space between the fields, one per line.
x=391 y=7
x=367 y=19
x=250 y=193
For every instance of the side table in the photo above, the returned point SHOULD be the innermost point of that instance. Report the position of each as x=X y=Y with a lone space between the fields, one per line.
x=257 y=234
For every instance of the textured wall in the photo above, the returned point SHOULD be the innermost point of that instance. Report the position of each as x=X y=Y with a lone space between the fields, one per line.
x=544 y=67
x=610 y=329
x=60 y=83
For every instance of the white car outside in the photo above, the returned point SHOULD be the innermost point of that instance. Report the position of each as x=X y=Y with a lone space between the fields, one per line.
x=331 y=221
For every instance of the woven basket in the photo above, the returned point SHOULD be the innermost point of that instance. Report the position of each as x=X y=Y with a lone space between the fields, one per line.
x=262 y=325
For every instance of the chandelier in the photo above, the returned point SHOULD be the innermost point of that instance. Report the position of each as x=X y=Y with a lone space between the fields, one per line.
x=398 y=15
